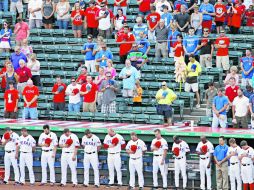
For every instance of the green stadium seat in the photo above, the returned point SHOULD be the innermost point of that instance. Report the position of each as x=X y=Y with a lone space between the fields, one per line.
x=64 y=50
x=47 y=32
x=54 y=57
x=178 y=105
x=98 y=116
x=59 y=115
x=188 y=98
x=76 y=50
x=243 y=46
x=205 y=79
x=137 y=110
x=127 y=118
x=156 y=119
x=148 y=69
x=114 y=117
x=142 y=118
x=47 y=73
x=61 y=41
x=43 y=57
x=247 y=30
x=44 y=114
x=205 y=121
x=150 y=110
x=44 y=106
x=52 y=49
x=87 y=116
x=73 y=116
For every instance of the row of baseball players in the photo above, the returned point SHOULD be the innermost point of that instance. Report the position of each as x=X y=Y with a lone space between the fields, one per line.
x=114 y=143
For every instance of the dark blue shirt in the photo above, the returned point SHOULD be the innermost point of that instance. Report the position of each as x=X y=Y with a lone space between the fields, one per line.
x=15 y=59
x=220 y=152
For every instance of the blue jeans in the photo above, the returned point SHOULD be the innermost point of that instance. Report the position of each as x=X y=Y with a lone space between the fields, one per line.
x=4 y=5
x=63 y=24
x=31 y=113
x=74 y=107
x=199 y=32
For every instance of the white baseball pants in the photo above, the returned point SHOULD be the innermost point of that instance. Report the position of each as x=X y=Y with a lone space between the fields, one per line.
x=156 y=166
x=180 y=166
x=46 y=159
x=94 y=161
x=114 y=162
x=235 y=176
x=66 y=159
x=26 y=159
x=136 y=165
x=205 y=172
x=9 y=159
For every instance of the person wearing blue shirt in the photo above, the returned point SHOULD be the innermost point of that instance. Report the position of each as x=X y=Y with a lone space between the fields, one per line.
x=172 y=37
x=221 y=161
x=220 y=105
x=143 y=44
x=167 y=16
x=139 y=27
x=190 y=44
x=208 y=11
x=251 y=108
x=88 y=50
x=103 y=55
x=248 y=92
x=16 y=56
x=247 y=68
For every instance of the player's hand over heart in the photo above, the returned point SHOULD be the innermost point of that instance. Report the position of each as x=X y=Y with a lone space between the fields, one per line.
x=162 y=161
x=73 y=158
x=53 y=155
x=16 y=156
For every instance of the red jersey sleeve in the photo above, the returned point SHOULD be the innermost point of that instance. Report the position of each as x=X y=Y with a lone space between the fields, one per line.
x=29 y=73
x=83 y=88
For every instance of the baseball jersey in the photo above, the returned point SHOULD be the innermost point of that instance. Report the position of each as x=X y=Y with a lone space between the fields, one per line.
x=91 y=144
x=231 y=150
x=53 y=137
x=26 y=144
x=250 y=154
x=164 y=146
x=210 y=149
x=117 y=148
x=75 y=143
x=141 y=147
x=12 y=143
x=183 y=146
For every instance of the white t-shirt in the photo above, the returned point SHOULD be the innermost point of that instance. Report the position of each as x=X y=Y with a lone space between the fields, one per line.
x=26 y=144
x=117 y=148
x=44 y=136
x=12 y=143
x=141 y=147
x=75 y=143
x=34 y=66
x=76 y=98
x=184 y=148
x=248 y=158
x=164 y=146
x=241 y=106
x=35 y=4
x=104 y=23
x=91 y=144
x=210 y=149
x=235 y=158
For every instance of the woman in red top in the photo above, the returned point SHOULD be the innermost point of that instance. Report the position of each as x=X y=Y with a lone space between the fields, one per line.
x=3 y=74
x=77 y=16
x=249 y=15
x=235 y=20
x=178 y=47
x=220 y=11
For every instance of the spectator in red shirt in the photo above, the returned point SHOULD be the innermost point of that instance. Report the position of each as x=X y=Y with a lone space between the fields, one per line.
x=24 y=74
x=11 y=99
x=77 y=20
x=249 y=15
x=231 y=93
x=89 y=90
x=178 y=47
x=59 y=94
x=90 y=22
x=144 y=7
x=30 y=95
x=125 y=40
x=3 y=74
x=82 y=77
x=220 y=12
x=222 y=44
x=152 y=21
x=120 y=4
x=235 y=17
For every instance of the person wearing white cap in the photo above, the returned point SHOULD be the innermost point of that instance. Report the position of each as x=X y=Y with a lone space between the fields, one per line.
x=165 y=97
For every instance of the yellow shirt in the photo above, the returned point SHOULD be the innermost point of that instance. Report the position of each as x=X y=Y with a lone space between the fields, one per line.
x=170 y=97
x=196 y=72
x=138 y=97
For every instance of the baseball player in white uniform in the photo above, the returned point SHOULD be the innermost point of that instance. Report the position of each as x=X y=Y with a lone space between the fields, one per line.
x=159 y=147
x=10 y=142
x=234 y=167
x=205 y=151
x=181 y=147
x=92 y=145
x=136 y=148
x=69 y=143
x=247 y=156
x=48 y=143
x=114 y=143
x=26 y=145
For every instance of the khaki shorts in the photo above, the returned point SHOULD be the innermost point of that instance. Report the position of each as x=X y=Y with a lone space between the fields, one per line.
x=188 y=87
x=127 y=93
x=223 y=61
x=16 y=6
x=204 y=60
x=89 y=107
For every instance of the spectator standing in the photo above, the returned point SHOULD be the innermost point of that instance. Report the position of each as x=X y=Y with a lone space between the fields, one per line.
x=182 y=20
x=220 y=12
x=89 y=90
x=82 y=77
x=231 y=93
x=62 y=13
x=240 y=110
x=206 y=48
x=3 y=74
x=35 y=17
x=11 y=99
x=73 y=91
x=109 y=88
x=98 y=81
x=210 y=93
x=90 y=22
x=235 y=17
x=103 y=55
x=208 y=12
x=129 y=74
x=249 y=15
x=165 y=97
x=161 y=4
x=137 y=94
x=21 y=31
x=77 y=20
x=5 y=38
x=17 y=6
x=16 y=57
x=233 y=73
x=34 y=65
x=247 y=68
x=30 y=96
x=139 y=27
x=152 y=21
x=24 y=74
x=48 y=9
x=178 y=47
x=220 y=105
x=190 y=44
x=125 y=39
x=143 y=44
x=120 y=4
x=193 y=71
x=251 y=108
x=167 y=16
x=58 y=91
x=26 y=49
x=11 y=76
x=222 y=57
x=161 y=34
x=172 y=38
x=110 y=69
x=4 y=5
x=144 y=7
x=248 y=92
x=196 y=21
x=119 y=19
x=105 y=18
x=88 y=50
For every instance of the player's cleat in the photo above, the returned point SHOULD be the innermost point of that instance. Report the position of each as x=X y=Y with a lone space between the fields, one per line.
x=74 y=185
x=154 y=188
x=62 y=185
x=22 y=184
x=109 y=186
x=5 y=182
x=32 y=184
x=140 y=188
x=96 y=186
x=41 y=184
x=165 y=188
x=130 y=188
x=119 y=186
x=52 y=184
x=84 y=185
x=16 y=183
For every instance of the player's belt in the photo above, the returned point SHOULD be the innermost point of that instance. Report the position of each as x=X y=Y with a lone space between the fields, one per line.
x=245 y=164
x=47 y=150
x=68 y=152
x=26 y=152
x=9 y=151
x=90 y=152
x=114 y=152
x=157 y=154
x=179 y=158
x=234 y=163
x=204 y=158
x=136 y=158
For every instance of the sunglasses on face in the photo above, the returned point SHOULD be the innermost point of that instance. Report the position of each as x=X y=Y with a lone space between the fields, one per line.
x=206 y=30
x=73 y=81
